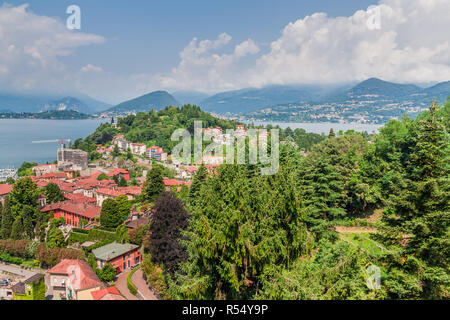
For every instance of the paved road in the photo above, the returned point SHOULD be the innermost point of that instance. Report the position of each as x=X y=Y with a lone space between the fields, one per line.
x=16 y=270
x=121 y=285
x=138 y=280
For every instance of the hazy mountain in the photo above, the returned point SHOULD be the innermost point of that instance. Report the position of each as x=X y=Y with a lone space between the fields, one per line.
x=156 y=100
x=439 y=91
x=373 y=100
x=190 y=97
x=65 y=104
x=247 y=100
x=13 y=102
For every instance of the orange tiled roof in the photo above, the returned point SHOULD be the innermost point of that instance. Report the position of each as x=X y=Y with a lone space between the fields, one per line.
x=110 y=293
x=80 y=273
x=5 y=189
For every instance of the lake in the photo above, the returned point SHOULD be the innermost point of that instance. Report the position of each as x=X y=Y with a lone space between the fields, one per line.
x=17 y=135
x=324 y=127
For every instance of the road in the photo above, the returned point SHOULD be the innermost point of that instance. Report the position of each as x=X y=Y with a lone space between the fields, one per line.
x=138 y=280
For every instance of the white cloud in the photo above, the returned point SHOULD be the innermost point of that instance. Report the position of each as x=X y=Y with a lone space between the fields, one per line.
x=91 y=68
x=411 y=46
x=30 y=48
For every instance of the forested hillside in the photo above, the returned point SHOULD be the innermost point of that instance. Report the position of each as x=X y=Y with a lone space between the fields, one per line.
x=312 y=230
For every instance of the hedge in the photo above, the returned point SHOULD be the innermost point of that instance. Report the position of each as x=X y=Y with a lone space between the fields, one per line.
x=130 y=284
x=92 y=235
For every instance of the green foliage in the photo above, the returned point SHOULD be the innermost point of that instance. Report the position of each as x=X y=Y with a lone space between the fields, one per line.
x=112 y=215
x=130 y=285
x=24 y=193
x=55 y=239
x=26 y=169
x=53 y=193
x=154 y=184
x=7 y=220
x=107 y=273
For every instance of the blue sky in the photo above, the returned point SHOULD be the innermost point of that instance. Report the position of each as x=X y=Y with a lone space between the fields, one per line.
x=127 y=48
x=149 y=35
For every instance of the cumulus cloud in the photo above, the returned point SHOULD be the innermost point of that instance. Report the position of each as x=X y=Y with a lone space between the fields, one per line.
x=91 y=68
x=412 y=45
x=30 y=48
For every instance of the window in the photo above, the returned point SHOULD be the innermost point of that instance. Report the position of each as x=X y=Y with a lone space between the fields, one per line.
x=124 y=265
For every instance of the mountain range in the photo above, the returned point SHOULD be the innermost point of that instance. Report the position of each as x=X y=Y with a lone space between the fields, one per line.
x=41 y=103
x=371 y=95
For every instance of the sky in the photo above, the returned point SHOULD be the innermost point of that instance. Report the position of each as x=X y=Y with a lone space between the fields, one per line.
x=128 y=48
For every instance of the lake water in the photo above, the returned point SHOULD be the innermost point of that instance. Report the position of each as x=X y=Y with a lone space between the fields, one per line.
x=325 y=127
x=16 y=137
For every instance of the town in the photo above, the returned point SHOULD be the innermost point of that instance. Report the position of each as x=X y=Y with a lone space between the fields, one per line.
x=85 y=187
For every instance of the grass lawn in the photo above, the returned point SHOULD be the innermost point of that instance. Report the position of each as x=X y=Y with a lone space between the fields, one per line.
x=363 y=241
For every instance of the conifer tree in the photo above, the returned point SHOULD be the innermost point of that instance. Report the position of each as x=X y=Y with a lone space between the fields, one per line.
x=7 y=220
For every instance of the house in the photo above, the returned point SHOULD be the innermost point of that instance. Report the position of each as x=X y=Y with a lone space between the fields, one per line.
x=120 y=173
x=32 y=288
x=121 y=256
x=5 y=189
x=138 y=149
x=112 y=193
x=73 y=280
x=156 y=153
x=73 y=212
x=44 y=169
x=134 y=224
x=110 y=293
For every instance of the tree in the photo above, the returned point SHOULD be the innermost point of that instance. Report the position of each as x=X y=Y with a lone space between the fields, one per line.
x=26 y=169
x=53 y=193
x=123 y=207
x=110 y=216
x=122 y=182
x=122 y=233
x=154 y=184
x=7 y=220
x=197 y=182
x=108 y=273
x=55 y=239
x=102 y=176
x=27 y=220
x=24 y=193
x=17 y=230
x=170 y=219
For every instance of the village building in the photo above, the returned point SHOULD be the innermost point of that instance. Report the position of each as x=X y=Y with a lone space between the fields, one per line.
x=121 y=256
x=120 y=173
x=107 y=193
x=44 y=169
x=32 y=288
x=5 y=189
x=138 y=149
x=72 y=159
x=73 y=212
x=73 y=280
x=110 y=293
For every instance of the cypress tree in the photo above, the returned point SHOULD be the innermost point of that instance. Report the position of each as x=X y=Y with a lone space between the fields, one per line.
x=7 y=220
x=154 y=184
x=17 y=230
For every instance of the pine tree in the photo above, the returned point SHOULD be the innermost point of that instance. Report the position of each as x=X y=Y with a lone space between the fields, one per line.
x=17 y=230
x=27 y=219
x=7 y=220
x=154 y=184
x=197 y=182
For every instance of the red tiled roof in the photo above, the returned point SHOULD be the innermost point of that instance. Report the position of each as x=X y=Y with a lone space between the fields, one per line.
x=117 y=171
x=83 y=209
x=5 y=189
x=173 y=182
x=109 y=192
x=110 y=293
x=79 y=197
x=80 y=273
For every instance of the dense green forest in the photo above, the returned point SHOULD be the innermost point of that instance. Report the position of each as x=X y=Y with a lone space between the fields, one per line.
x=280 y=237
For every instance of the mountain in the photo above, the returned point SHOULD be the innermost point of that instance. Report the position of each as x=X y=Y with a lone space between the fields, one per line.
x=376 y=86
x=65 y=104
x=156 y=100
x=439 y=91
x=247 y=100
x=34 y=103
x=371 y=101
x=190 y=97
